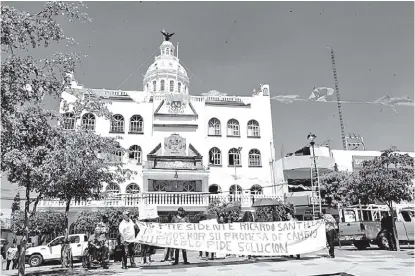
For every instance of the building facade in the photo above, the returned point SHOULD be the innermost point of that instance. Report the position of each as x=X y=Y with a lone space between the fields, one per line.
x=294 y=170
x=185 y=149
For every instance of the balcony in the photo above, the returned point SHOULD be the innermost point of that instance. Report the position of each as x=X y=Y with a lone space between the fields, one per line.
x=299 y=167
x=164 y=201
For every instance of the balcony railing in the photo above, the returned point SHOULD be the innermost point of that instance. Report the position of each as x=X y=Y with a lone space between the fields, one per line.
x=159 y=199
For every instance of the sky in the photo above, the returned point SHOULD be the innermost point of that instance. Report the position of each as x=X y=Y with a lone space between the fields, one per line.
x=233 y=47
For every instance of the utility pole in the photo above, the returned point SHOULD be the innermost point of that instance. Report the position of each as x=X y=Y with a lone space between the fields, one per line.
x=339 y=106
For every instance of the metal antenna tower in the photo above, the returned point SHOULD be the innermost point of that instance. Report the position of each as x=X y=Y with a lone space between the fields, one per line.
x=339 y=106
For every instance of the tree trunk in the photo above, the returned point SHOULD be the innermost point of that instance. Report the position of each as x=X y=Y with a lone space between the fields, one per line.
x=23 y=242
x=68 y=203
x=395 y=233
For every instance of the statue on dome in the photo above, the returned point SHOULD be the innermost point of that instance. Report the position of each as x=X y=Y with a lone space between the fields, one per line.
x=166 y=35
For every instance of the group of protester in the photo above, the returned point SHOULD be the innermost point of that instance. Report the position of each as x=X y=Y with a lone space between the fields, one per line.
x=128 y=230
x=11 y=256
x=126 y=241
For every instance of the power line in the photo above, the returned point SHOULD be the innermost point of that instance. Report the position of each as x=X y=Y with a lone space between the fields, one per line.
x=135 y=71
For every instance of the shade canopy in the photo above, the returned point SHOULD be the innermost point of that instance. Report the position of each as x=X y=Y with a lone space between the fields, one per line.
x=262 y=202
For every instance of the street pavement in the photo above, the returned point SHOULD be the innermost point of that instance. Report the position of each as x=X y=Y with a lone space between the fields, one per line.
x=348 y=262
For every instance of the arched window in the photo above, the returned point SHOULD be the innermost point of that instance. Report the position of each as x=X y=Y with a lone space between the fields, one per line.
x=113 y=189
x=215 y=156
x=232 y=189
x=233 y=128
x=154 y=86
x=68 y=121
x=214 y=127
x=254 y=157
x=134 y=153
x=132 y=188
x=189 y=186
x=256 y=190
x=136 y=124
x=117 y=123
x=179 y=87
x=88 y=121
x=253 y=128
x=214 y=189
x=162 y=85
x=234 y=157
x=171 y=86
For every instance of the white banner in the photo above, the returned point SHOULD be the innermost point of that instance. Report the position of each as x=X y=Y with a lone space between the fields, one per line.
x=245 y=238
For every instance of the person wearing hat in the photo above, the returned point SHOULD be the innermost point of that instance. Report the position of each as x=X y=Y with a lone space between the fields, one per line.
x=180 y=218
x=127 y=231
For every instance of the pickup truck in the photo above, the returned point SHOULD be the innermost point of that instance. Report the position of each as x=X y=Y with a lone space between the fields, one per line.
x=35 y=256
x=363 y=234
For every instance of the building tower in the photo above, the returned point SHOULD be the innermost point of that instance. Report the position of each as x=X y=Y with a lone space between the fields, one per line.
x=166 y=74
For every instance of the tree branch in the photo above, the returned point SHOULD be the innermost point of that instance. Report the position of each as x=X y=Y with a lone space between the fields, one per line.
x=35 y=205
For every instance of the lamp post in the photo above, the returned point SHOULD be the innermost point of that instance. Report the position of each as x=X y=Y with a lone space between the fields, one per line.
x=311 y=137
x=238 y=152
x=176 y=176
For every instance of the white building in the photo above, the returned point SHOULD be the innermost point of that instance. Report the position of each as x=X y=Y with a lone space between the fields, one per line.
x=184 y=148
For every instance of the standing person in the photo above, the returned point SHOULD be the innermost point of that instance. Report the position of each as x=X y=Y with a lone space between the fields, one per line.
x=180 y=218
x=202 y=218
x=127 y=231
x=168 y=252
x=290 y=217
x=387 y=225
x=248 y=217
x=221 y=220
x=11 y=256
x=147 y=250
x=331 y=226
x=119 y=252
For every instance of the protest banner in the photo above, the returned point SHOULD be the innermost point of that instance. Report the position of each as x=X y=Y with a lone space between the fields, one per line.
x=245 y=238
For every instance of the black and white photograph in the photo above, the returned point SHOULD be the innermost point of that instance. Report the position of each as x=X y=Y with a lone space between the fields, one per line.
x=228 y=138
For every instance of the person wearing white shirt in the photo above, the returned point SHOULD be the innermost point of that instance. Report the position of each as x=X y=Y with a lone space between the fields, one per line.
x=127 y=232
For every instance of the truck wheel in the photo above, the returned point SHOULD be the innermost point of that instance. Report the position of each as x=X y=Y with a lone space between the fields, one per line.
x=382 y=241
x=361 y=245
x=35 y=260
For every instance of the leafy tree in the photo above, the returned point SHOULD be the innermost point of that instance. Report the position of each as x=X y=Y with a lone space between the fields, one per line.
x=334 y=187
x=274 y=213
x=15 y=209
x=231 y=211
x=45 y=225
x=77 y=169
x=86 y=221
x=26 y=131
x=387 y=179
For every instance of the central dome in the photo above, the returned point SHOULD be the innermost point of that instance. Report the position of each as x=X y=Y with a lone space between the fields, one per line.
x=166 y=74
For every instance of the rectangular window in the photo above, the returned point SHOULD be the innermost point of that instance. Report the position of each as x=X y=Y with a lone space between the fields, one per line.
x=234 y=159
x=136 y=126
x=171 y=86
x=74 y=239
x=254 y=161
